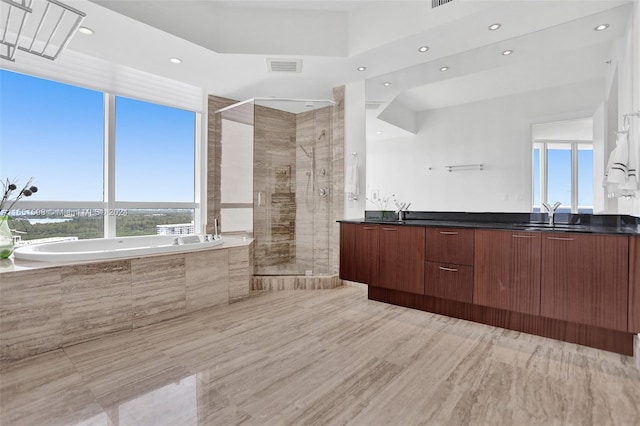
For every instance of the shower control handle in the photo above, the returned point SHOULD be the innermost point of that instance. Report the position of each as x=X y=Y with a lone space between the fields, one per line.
x=323 y=192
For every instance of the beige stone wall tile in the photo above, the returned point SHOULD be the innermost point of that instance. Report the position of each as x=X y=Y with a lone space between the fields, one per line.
x=30 y=316
x=239 y=273
x=96 y=300
x=207 y=275
x=158 y=289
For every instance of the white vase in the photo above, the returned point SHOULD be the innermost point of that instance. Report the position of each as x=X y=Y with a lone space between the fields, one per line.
x=6 y=239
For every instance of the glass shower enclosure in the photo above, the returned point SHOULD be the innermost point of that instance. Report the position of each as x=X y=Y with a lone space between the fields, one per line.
x=276 y=181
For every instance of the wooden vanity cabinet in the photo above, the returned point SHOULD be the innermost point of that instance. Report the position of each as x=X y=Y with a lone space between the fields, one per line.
x=634 y=285
x=450 y=245
x=359 y=253
x=449 y=281
x=401 y=257
x=449 y=264
x=507 y=270
x=584 y=279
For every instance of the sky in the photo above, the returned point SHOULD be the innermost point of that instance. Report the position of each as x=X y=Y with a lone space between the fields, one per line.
x=54 y=133
x=559 y=178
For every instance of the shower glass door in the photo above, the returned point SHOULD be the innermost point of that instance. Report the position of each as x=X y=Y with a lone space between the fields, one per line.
x=292 y=180
x=236 y=168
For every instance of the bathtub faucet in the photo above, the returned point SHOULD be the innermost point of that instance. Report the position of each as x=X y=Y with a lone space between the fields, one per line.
x=216 y=235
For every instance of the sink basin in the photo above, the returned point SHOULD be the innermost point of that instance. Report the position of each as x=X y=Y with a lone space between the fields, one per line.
x=557 y=227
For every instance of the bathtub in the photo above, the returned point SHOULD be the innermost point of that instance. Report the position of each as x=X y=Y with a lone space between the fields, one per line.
x=114 y=248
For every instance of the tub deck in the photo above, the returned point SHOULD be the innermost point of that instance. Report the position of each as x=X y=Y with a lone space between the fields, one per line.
x=46 y=306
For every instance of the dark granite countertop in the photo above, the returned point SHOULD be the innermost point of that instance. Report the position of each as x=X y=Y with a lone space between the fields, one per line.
x=532 y=222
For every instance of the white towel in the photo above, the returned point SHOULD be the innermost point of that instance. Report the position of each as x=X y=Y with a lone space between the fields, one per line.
x=631 y=183
x=621 y=175
x=618 y=161
x=351 y=176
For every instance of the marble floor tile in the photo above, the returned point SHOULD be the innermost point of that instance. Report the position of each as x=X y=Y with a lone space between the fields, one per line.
x=329 y=357
x=46 y=390
x=122 y=366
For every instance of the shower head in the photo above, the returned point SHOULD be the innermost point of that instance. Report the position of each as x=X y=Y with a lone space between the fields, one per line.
x=305 y=151
x=322 y=135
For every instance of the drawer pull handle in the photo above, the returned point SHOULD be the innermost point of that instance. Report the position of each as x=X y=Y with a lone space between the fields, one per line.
x=448 y=233
x=523 y=236
x=559 y=239
x=389 y=229
x=368 y=228
x=442 y=268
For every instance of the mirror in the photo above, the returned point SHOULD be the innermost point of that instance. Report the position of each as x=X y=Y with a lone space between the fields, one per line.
x=424 y=120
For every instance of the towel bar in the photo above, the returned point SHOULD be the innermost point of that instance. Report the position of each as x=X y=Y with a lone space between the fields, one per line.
x=465 y=167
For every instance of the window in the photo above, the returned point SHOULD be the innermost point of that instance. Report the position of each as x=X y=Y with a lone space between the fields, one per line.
x=36 y=128
x=154 y=152
x=139 y=180
x=563 y=171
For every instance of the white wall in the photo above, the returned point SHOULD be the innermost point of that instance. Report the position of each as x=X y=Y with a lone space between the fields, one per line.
x=495 y=133
x=635 y=89
x=625 y=71
x=355 y=142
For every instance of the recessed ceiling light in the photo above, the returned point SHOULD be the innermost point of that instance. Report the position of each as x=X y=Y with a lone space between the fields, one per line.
x=423 y=49
x=361 y=68
x=386 y=83
x=175 y=60
x=507 y=52
x=443 y=69
x=494 y=27
x=601 y=27
x=379 y=132
x=85 y=30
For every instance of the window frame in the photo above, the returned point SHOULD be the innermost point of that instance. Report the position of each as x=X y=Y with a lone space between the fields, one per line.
x=543 y=146
x=109 y=203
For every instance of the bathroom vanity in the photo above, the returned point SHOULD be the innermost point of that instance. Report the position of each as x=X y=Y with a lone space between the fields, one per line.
x=577 y=280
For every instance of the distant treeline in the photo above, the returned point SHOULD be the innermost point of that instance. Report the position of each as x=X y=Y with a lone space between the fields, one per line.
x=92 y=227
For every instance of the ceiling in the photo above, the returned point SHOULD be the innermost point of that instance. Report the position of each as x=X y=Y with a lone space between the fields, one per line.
x=224 y=45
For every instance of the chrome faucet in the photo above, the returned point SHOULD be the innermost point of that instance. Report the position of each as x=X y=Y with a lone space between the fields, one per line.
x=552 y=211
x=402 y=209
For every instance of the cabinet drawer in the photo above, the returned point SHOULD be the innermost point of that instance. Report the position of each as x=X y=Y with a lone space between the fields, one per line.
x=450 y=245
x=448 y=281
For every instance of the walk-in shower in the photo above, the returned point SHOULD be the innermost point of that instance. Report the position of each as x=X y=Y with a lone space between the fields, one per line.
x=277 y=182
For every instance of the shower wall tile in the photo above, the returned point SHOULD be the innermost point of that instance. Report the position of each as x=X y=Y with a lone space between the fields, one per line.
x=158 y=289
x=96 y=300
x=30 y=317
x=207 y=275
x=214 y=157
x=275 y=180
x=314 y=130
x=298 y=233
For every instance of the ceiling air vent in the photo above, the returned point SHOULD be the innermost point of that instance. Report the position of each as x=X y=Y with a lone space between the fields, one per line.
x=373 y=104
x=284 y=65
x=436 y=3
